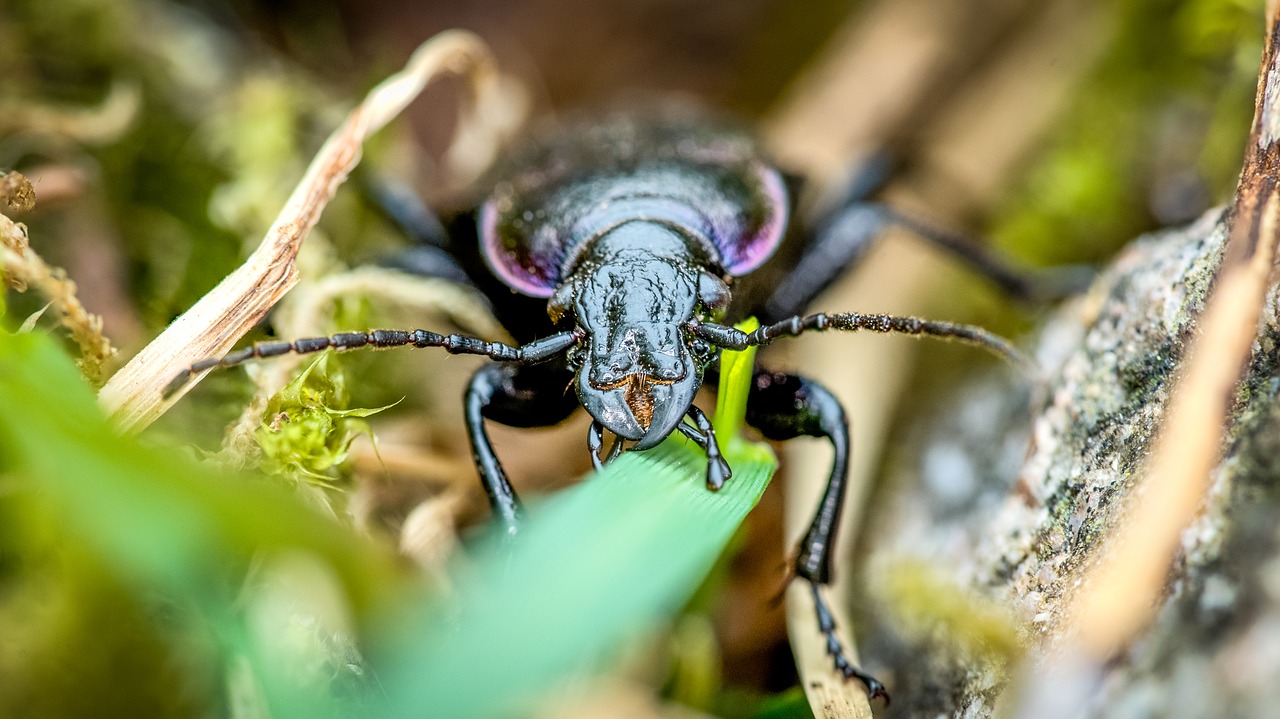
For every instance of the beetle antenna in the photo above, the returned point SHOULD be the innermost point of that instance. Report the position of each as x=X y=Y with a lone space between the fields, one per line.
x=734 y=339
x=536 y=351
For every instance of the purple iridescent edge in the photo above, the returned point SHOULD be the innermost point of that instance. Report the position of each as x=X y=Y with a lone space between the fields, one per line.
x=538 y=275
x=748 y=253
x=535 y=279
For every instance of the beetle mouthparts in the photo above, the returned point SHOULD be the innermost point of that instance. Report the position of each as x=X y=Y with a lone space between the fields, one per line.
x=638 y=393
x=639 y=398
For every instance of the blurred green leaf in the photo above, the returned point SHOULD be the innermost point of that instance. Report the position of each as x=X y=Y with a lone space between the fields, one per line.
x=167 y=525
x=1152 y=136
x=183 y=522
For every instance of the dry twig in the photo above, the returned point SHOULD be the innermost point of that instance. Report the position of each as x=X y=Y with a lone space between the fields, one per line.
x=221 y=317
x=895 y=68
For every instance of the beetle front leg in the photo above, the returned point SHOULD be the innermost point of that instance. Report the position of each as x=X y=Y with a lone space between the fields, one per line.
x=718 y=471
x=595 y=442
x=782 y=407
x=517 y=396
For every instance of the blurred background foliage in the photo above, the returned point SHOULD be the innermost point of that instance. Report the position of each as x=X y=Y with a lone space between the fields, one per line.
x=1153 y=138
x=162 y=138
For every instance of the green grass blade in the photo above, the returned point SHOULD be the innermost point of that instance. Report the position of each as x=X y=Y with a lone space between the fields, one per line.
x=595 y=565
x=735 y=383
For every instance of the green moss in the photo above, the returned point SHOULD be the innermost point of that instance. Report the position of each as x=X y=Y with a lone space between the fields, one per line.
x=926 y=603
x=307 y=428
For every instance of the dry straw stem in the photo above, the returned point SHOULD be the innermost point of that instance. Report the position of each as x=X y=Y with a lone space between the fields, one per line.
x=226 y=313
x=89 y=125
x=841 y=107
x=937 y=71
x=1120 y=592
x=22 y=267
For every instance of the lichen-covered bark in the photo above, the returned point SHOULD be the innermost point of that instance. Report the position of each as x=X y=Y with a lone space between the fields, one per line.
x=1014 y=526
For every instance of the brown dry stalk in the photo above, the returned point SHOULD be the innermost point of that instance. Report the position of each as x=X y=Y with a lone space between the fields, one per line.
x=227 y=312
x=819 y=129
x=900 y=68
x=1120 y=592
x=22 y=267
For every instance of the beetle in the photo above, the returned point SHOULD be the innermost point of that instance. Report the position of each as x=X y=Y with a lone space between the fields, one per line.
x=617 y=253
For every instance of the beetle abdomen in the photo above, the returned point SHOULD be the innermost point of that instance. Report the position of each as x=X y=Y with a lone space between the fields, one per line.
x=708 y=183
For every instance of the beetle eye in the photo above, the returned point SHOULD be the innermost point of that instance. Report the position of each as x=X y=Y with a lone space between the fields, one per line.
x=700 y=349
x=560 y=304
x=714 y=293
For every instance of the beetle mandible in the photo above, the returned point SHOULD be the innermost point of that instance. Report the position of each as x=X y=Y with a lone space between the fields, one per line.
x=616 y=253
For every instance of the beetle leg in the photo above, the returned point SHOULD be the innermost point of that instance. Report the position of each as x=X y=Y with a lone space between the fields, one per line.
x=595 y=441
x=615 y=449
x=517 y=396
x=406 y=210
x=431 y=252
x=450 y=249
x=843 y=238
x=827 y=625
x=718 y=471
x=782 y=407
x=427 y=261
x=840 y=243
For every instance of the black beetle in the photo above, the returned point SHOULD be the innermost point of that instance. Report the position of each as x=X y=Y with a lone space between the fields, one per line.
x=615 y=253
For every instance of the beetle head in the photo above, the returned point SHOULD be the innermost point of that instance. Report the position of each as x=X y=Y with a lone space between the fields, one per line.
x=639 y=368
